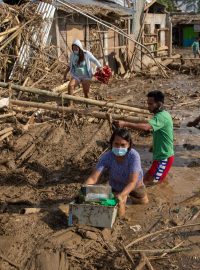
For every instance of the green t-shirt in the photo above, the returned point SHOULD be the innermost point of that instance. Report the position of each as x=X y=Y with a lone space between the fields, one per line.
x=195 y=46
x=162 y=125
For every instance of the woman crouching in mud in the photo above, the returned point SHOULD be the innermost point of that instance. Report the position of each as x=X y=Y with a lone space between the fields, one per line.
x=80 y=68
x=125 y=172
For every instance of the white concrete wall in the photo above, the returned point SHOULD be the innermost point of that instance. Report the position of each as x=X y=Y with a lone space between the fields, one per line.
x=153 y=19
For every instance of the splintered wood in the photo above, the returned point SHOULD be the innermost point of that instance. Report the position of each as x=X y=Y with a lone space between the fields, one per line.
x=18 y=28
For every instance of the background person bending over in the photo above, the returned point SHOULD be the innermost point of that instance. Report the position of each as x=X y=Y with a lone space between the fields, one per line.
x=80 y=68
x=162 y=126
x=125 y=172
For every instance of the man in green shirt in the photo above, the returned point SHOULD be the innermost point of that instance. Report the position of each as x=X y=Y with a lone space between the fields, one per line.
x=162 y=127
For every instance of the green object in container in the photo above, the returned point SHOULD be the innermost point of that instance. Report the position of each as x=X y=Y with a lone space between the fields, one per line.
x=109 y=202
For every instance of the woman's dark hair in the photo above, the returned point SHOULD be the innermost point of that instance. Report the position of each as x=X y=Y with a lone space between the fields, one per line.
x=157 y=95
x=81 y=56
x=122 y=133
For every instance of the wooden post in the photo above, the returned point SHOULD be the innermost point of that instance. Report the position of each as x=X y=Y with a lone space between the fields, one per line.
x=139 y=38
x=87 y=35
x=57 y=35
x=170 y=38
x=106 y=46
x=101 y=44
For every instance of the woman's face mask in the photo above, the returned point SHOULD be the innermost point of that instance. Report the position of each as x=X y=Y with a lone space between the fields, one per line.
x=120 y=146
x=76 y=52
x=119 y=152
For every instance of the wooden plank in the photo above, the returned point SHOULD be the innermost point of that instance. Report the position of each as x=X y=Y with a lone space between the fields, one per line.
x=116 y=47
x=74 y=98
x=57 y=36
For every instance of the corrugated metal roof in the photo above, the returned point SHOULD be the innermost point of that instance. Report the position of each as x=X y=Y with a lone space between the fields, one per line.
x=107 y=5
x=47 y=11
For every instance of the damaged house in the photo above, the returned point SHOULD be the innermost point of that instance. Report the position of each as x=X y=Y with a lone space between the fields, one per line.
x=67 y=20
x=157 y=29
x=186 y=27
x=107 y=45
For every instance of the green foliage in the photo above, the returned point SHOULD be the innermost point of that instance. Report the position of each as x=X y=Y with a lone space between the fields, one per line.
x=168 y=3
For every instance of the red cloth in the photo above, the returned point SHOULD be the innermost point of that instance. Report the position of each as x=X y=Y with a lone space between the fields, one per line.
x=104 y=74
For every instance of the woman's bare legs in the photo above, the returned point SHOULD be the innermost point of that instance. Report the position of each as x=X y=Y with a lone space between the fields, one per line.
x=86 y=87
x=72 y=84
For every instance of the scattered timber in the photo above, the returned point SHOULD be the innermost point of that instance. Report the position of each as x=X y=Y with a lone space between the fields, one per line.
x=86 y=112
x=166 y=62
x=74 y=98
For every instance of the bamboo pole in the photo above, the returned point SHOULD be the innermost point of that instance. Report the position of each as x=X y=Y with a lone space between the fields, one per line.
x=159 y=251
x=3 y=116
x=161 y=231
x=101 y=45
x=86 y=112
x=149 y=265
x=6 y=130
x=74 y=98
x=14 y=35
x=5 y=135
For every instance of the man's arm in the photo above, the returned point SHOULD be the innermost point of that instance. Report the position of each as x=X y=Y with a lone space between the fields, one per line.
x=194 y=123
x=94 y=60
x=139 y=126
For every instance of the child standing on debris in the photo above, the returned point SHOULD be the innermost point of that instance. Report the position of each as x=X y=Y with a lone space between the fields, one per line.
x=162 y=127
x=125 y=172
x=80 y=68
x=195 y=48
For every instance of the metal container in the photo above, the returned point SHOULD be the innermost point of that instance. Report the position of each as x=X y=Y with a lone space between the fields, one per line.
x=92 y=215
x=96 y=189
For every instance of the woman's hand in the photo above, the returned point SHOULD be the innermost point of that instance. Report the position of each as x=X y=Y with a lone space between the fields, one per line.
x=120 y=197
x=93 y=178
x=122 y=205
x=99 y=68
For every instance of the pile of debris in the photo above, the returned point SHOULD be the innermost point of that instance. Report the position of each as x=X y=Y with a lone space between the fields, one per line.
x=24 y=55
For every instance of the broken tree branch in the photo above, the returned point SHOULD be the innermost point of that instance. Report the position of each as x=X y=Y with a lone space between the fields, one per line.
x=149 y=265
x=161 y=231
x=128 y=255
x=9 y=261
x=2 y=116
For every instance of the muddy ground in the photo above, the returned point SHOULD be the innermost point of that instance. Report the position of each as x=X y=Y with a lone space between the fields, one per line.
x=49 y=178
